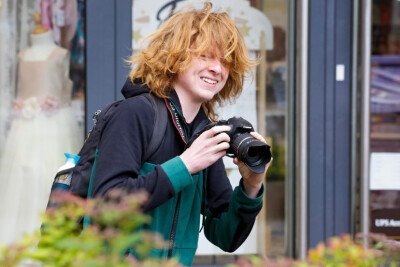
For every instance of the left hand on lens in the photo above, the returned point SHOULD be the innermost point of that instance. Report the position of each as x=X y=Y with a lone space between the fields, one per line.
x=252 y=181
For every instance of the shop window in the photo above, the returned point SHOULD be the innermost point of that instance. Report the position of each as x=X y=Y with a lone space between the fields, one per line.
x=42 y=85
x=385 y=119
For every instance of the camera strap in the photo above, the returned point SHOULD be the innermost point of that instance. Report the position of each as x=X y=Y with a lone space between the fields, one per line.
x=173 y=110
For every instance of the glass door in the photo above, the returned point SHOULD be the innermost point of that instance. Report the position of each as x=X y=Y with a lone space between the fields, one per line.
x=384 y=186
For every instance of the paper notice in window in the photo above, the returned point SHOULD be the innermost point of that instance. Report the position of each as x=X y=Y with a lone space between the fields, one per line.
x=385 y=171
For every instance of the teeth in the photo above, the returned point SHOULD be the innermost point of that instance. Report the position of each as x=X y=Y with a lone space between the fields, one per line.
x=209 y=80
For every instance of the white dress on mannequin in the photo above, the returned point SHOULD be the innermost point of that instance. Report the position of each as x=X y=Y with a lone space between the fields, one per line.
x=42 y=130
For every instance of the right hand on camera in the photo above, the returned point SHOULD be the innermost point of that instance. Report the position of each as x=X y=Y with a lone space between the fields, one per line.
x=209 y=147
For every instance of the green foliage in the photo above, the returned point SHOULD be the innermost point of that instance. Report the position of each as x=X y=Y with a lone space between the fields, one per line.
x=116 y=224
x=343 y=251
x=340 y=251
x=387 y=248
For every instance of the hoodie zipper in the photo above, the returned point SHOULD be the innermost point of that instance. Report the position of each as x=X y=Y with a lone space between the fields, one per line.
x=174 y=226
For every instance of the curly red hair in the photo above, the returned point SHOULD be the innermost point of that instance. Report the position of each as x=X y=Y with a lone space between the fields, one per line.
x=186 y=34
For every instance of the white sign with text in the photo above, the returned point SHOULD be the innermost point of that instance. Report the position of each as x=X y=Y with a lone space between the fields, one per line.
x=384 y=171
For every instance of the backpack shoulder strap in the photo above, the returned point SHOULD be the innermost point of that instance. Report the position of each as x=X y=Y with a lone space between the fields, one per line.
x=159 y=127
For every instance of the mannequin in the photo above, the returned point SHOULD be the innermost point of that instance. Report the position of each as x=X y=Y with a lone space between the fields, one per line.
x=39 y=28
x=42 y=46
x=42 y=130
x=42 y=42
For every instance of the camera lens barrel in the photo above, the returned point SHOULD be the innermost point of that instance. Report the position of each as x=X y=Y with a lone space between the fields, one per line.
x=254 y=153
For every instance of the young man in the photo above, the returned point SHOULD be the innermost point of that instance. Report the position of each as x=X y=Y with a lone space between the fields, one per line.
x=194 y=60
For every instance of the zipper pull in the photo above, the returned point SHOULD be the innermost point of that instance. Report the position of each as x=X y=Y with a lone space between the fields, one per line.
x=95 y=115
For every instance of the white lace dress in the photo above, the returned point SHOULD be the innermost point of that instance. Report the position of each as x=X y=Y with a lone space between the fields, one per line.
x=42 y=130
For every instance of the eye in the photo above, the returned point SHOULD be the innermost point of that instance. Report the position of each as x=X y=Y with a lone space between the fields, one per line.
x=224 y=62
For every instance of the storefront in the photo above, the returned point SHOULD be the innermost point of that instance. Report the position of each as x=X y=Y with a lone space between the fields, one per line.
x=325 y=94
x=380 y=120
x=88 y=43
x=42 y=110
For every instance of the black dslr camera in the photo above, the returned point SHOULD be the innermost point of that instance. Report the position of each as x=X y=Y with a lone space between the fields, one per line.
x=252 y=152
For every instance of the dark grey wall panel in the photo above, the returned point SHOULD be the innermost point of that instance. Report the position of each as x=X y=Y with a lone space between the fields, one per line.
x=343 y=119
x=316 y=206
x=123 y=40
x=329 y=120
x=100 y=49
x=108 y=41
x=329 y=116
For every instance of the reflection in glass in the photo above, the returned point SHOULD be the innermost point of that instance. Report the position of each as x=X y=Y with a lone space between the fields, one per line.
x=276 y=121
x=42 y=113
x=385 y=118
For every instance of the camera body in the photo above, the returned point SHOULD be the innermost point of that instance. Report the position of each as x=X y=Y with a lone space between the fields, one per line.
x=252 y=152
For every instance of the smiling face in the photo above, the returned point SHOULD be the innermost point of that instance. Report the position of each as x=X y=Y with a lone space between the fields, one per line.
x=203 y=79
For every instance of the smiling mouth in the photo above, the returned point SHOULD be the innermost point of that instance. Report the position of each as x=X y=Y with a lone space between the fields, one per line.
x=208 y=80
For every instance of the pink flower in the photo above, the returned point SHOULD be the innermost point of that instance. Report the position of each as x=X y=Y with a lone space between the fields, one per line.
x=50 y=104
x=30 y=107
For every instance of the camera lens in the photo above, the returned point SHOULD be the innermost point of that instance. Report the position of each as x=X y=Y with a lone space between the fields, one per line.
x=254 y=153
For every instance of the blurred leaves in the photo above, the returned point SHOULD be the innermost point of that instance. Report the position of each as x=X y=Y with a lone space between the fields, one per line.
x=116 y=225
x=343 y=251
x=364 y=251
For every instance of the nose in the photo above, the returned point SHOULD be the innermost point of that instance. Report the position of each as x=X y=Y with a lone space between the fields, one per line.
x=215 y=65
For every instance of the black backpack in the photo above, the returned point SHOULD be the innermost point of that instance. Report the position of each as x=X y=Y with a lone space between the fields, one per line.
x=83 y=171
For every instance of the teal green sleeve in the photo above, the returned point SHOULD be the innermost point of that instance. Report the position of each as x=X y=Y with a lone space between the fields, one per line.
x=177 y=173
x=229 y=230
x=246 y=201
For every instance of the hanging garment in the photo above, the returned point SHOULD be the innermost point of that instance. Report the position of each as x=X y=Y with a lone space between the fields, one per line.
x=42 y=130
x=57 y=14
x=78 y=43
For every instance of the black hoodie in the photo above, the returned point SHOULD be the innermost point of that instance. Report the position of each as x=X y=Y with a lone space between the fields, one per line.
x=174 y=192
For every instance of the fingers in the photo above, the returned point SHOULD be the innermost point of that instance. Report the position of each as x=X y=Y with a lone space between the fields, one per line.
x=222 y=137
x=237 y=162
x=258 y=137
x=216 y=137
x=216 y=130
x=206 y=149
x=262 y=139
x=217 y=143
x=222 y=146
x=241 y=164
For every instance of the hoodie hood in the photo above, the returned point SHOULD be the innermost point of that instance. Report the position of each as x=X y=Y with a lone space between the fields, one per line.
x=131 y=89
x=135 y=88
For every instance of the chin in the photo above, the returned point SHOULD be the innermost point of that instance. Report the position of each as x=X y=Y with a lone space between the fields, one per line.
x=207 y=98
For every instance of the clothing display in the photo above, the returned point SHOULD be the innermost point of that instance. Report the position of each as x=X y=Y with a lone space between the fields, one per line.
x=57 y=14
x=16 y=24
x=78 y=43
x=42 y=130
